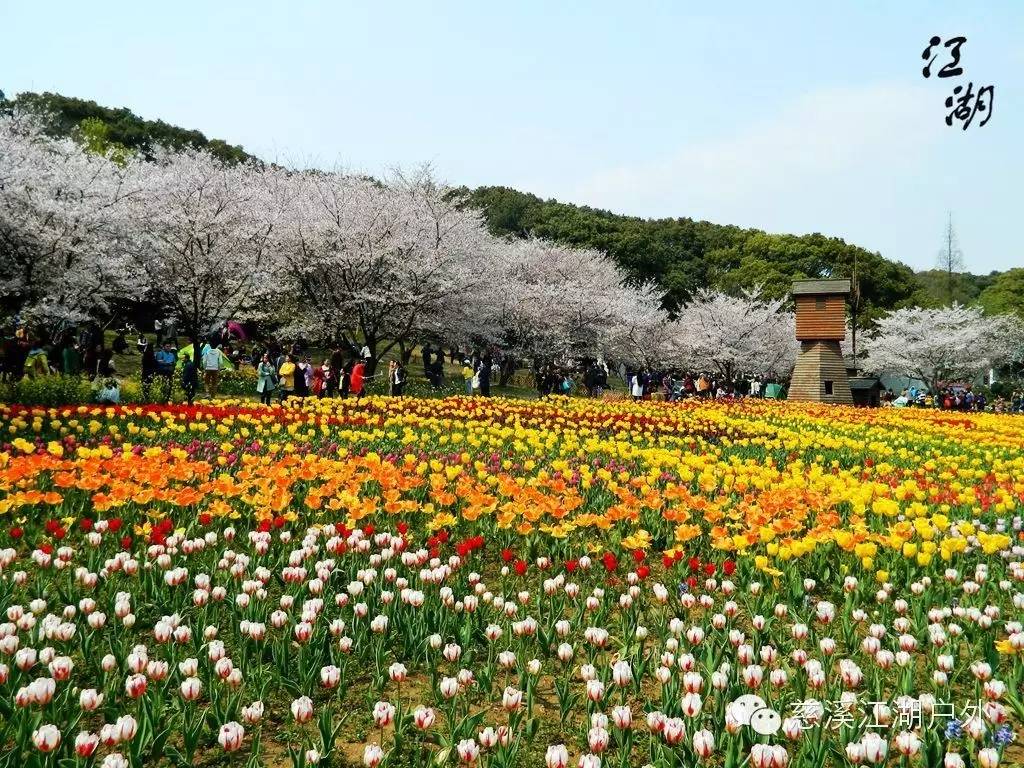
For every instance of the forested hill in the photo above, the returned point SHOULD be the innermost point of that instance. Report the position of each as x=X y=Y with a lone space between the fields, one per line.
x=120 y=127
x=681 y=255
x=684 y=255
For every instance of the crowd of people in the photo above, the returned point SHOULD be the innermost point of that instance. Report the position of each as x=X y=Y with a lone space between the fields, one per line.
x=595 y=377
x=954 y=398
x=285 y=370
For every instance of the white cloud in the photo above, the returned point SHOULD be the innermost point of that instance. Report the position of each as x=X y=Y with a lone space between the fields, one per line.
x=798 y=170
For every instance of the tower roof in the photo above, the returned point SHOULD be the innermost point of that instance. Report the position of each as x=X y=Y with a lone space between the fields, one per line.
x=821 y=287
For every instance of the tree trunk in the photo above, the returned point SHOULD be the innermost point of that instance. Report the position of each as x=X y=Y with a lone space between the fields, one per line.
x=506 y=371
x=197 y=346
x=405 y=353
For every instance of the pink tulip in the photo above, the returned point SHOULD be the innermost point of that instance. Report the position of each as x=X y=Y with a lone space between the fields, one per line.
x=557 y=756
x=86 y=744
x=769 y=756
x=512 y=699
x=753 y=676
x=302 y=709
x=330 y=676
x=598 y=740
x=89 y=700
x=191 y=688
x=135 y=685
x=252 y=713
x=423 y=717
x=468 y=751
x=46 y=738
x=622 y=717
x=691 y=704
x=383 y=714
x=875 y=748
x=488 y=737
x=855 y=752
x=792 y=728
x=372 y=755
x=622 y=675
x=762 y=756
x=449 y=687
x=674 y=731
x=397 y=672
x=231 y=736
x=907 y=743
x=41 y=690
x=704 y=743
x=61 y=668
x=125 y=728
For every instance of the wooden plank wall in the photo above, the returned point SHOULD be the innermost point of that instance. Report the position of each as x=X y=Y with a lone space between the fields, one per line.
x=825 y=323
x=817 y=362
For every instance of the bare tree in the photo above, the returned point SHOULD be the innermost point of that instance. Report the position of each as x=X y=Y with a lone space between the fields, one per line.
x=951 y=258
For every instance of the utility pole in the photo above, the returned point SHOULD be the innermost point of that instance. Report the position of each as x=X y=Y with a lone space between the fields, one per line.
x=854 y=305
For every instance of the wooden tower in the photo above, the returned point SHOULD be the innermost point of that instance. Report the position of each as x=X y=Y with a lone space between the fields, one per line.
x=820 y=372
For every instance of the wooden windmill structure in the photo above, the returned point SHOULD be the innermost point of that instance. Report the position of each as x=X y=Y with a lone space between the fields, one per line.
x=820 y=372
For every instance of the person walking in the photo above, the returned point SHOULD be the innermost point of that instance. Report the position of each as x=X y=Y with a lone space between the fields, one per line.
x=71 y=361
x=166 y=360
x=318 y=385
x=484 y=374
x=150 y=369
x=303 y=375
x=345 y=379
x=189 y=378
x=337 y=364
x=428 y=361
x=703 y=386
x=211 y=369
x=287 y=373
x=266 y=382
x=637 y=387
x=357 y=379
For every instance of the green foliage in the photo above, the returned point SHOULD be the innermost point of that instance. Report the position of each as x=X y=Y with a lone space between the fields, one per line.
x=94 y=135
x=683 y=255
x=967 y=288
x=1005 y=293
x=47 y=390
x=103 y=126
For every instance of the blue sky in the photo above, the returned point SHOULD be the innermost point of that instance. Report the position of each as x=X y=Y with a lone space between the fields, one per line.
x=791 y=117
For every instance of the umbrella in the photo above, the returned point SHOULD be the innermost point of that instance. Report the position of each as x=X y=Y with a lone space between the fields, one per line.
x=236 y=330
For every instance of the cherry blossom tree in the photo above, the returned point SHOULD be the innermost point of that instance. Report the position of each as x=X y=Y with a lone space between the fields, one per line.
x=198 y=234
x=59 y=209
x=942 y=345
x=378 y=262
x=553 y=302
x=733 y=334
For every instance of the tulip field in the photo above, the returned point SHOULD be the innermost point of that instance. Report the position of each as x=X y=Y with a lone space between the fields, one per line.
x=504 y=583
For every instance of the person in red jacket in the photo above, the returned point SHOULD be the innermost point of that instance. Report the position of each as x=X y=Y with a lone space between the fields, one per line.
x=356 y=387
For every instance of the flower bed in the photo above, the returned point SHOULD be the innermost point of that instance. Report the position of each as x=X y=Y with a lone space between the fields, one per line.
x=508 y=582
